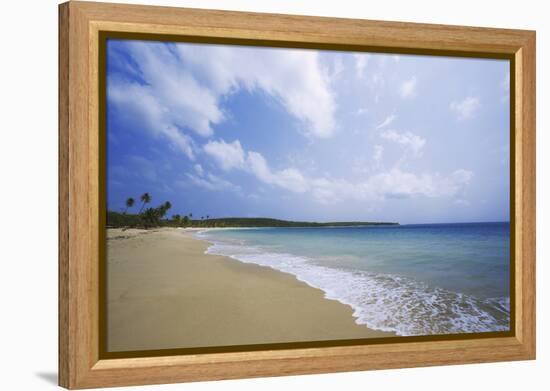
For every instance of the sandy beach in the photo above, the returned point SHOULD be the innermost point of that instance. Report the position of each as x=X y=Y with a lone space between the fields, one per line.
x=164 y=292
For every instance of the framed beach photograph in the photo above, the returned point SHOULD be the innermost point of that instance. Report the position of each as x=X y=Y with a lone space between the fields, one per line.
x=248 y=195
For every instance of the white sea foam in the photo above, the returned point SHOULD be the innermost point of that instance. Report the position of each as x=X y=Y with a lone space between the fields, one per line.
x=382 y=301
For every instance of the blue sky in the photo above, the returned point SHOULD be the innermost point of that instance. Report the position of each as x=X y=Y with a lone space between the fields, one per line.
x=307 y=135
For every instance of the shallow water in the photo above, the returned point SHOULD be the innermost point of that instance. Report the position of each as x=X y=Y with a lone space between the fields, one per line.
x=412 y=279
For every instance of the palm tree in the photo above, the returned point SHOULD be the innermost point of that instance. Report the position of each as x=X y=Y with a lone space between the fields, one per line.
x=129 y=203
x=177 y=219
x=145 y=198
x=207 y=217
x=151 y=217
x=164 y=208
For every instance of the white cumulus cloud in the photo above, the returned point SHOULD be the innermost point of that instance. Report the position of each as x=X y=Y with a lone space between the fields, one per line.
x=199 y=170
x=410 y=140
x=139 y=108
x=361 y=61
x=209 y=182
x=466 y=108
x=394 y=183
x=232 y=156
x=294 y=77
x=183 y=86
x=378 y=152
x=227 y=155
x=289 y=178
x=408 y=88
x=387 y=121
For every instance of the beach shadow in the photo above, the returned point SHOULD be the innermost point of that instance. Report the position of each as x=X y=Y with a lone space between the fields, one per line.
x=49 y=377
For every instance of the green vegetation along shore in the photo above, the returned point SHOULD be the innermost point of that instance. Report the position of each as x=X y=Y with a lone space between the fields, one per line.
x=156 y=217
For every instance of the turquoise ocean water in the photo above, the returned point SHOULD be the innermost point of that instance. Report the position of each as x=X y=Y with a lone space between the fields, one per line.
x=410 y=279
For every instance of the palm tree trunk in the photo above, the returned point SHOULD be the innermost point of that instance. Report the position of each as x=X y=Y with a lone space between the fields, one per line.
x=140 y=209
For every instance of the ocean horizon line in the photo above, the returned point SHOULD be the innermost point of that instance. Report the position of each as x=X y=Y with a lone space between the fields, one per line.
x=359 y=222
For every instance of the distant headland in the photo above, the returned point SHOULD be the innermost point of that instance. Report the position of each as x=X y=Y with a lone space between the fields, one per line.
x=120 y=220
x=153 y=217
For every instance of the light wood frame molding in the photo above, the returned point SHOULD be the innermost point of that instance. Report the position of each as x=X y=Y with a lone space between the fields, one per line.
x=80 y=23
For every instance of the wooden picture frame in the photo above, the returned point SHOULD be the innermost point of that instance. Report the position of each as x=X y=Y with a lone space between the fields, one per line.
x=81 y=164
